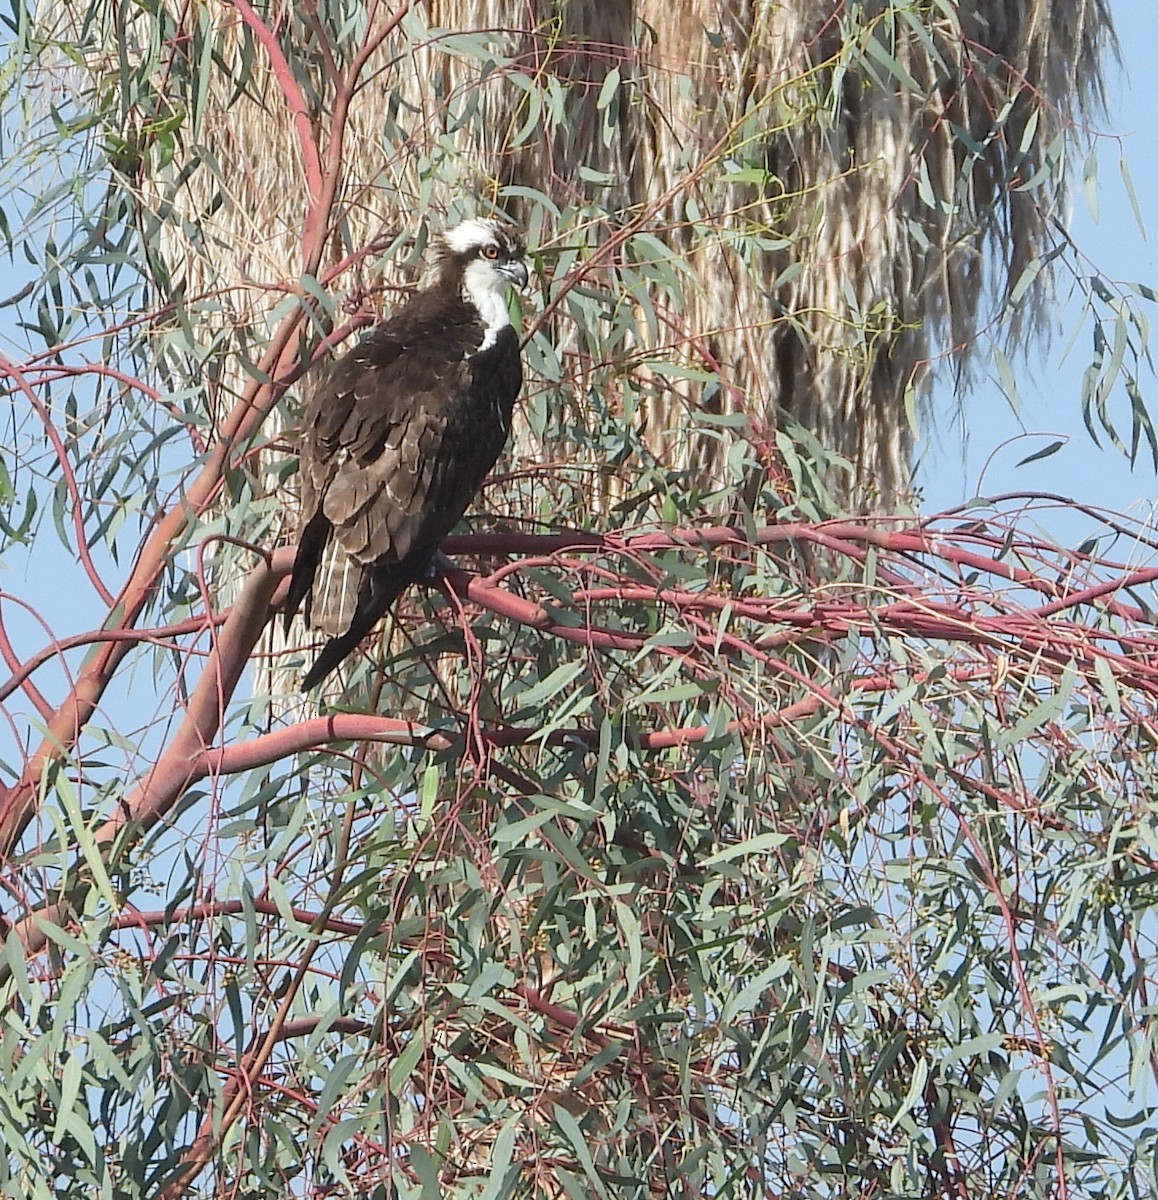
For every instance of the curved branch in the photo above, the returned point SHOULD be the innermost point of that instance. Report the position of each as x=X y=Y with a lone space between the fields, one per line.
x=12 y=660
x=359 y=727
x=158 y=791
x=137 y=919
x=160 y=635
x=60 y=450
x=191 y=755
x=279 y=366
x=847 y=538
x=292 y=94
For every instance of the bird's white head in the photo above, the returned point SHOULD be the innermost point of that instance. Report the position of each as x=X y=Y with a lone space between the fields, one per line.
x=487 y=257
x=491 y=241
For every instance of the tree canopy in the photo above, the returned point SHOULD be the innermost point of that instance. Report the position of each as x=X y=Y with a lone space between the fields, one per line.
x=701 y=836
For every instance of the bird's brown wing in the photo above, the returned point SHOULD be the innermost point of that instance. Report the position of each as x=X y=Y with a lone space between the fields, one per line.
x=379 y=477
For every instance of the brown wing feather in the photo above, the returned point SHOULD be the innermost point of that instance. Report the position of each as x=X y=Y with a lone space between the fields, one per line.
x=378 y=508
x=391 y=455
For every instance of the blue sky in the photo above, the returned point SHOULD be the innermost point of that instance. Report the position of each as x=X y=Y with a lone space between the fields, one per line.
x=955 y=450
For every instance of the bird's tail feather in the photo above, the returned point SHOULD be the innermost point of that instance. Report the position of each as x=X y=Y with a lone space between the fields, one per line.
x=337 y=590
x=311 y=544
x=381 y=586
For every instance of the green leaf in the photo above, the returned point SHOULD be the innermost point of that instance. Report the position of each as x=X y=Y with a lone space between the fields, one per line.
x=608 y=90
x=913 y=1094
x=1128 y=184
x=550 y=686
x=1046 y=452
x=1007 y=379
x=1090 y=183
x=574 y=1135
x=760 y=844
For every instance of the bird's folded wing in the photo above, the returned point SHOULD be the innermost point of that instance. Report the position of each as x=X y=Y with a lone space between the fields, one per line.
x=387 y=458
x=385 y=508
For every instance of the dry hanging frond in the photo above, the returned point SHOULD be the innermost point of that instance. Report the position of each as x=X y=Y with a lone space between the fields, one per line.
x=856 y=190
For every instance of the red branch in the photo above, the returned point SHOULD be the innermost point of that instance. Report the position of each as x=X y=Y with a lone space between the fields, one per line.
x=294 y=100
x=364 y=727
x=155 y=794
x=192 y=755
x=160 y=635
x=61 y=452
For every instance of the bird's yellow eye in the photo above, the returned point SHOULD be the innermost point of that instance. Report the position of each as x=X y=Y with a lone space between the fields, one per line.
x=490 y=252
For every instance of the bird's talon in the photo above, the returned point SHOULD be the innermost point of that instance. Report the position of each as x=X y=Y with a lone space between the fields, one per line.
x=440 y=565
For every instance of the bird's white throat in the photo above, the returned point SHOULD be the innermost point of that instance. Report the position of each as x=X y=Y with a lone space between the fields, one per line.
x=486 y=289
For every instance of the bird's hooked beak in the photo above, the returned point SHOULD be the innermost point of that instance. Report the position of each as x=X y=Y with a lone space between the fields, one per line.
x=515 y=271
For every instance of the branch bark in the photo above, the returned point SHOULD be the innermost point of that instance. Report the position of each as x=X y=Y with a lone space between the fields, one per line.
x=158 y=791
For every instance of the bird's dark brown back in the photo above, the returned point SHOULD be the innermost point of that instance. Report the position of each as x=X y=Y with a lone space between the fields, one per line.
x=397 y=439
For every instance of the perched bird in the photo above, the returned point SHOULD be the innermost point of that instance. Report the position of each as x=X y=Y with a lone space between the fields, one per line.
x=400 y=435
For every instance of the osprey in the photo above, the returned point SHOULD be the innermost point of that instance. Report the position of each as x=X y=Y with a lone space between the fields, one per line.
x=400 y=435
